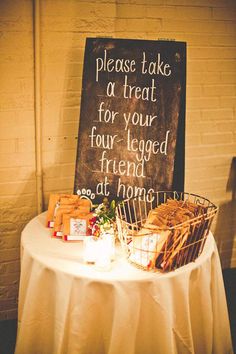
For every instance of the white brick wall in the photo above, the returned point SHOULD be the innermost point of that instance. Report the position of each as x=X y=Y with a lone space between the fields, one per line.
x=17 y=158
x=208 y=27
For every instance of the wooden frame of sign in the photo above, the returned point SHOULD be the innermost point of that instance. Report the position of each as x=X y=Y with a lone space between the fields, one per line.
x=131 y=136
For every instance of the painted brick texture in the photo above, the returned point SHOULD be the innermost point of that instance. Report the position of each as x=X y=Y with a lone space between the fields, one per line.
x=17 y=157
x=208 y=27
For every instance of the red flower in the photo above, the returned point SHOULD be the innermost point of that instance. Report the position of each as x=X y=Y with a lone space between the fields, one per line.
x=96 y=230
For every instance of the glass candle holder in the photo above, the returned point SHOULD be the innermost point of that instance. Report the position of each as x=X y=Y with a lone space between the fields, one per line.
x=105 y=252
x=90 y=249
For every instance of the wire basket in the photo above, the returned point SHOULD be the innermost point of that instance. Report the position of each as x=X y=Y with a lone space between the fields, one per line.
x=164 y=230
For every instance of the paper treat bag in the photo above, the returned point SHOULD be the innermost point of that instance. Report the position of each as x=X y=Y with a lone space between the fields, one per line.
x=64 y=200
x=76 y=225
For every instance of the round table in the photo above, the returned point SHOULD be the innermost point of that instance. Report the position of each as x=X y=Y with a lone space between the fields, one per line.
x=67 y=306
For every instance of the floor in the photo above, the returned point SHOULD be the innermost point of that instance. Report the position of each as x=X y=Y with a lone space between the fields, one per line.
x=8 y=328
x=7 y=336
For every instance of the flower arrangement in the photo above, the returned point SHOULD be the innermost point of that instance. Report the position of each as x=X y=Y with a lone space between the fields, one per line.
x=103 y=218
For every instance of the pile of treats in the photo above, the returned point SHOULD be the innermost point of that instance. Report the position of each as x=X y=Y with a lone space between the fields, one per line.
x=170 y=237
x=68 y=216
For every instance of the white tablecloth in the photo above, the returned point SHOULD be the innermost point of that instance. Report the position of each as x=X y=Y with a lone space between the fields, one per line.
x=66 y=306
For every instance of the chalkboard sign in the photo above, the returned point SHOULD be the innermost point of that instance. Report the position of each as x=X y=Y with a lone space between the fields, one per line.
x=132 y=118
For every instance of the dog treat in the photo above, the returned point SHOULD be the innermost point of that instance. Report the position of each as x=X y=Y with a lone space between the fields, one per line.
x=178 y=215
x=144 y=249
x=64 y=203
x=84 y=205
x=58 y=223
x=164 y=236
x=53 y=200
x=76 y=225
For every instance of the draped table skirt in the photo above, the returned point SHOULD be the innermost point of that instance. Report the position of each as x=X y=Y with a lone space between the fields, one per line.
x=69 y=307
